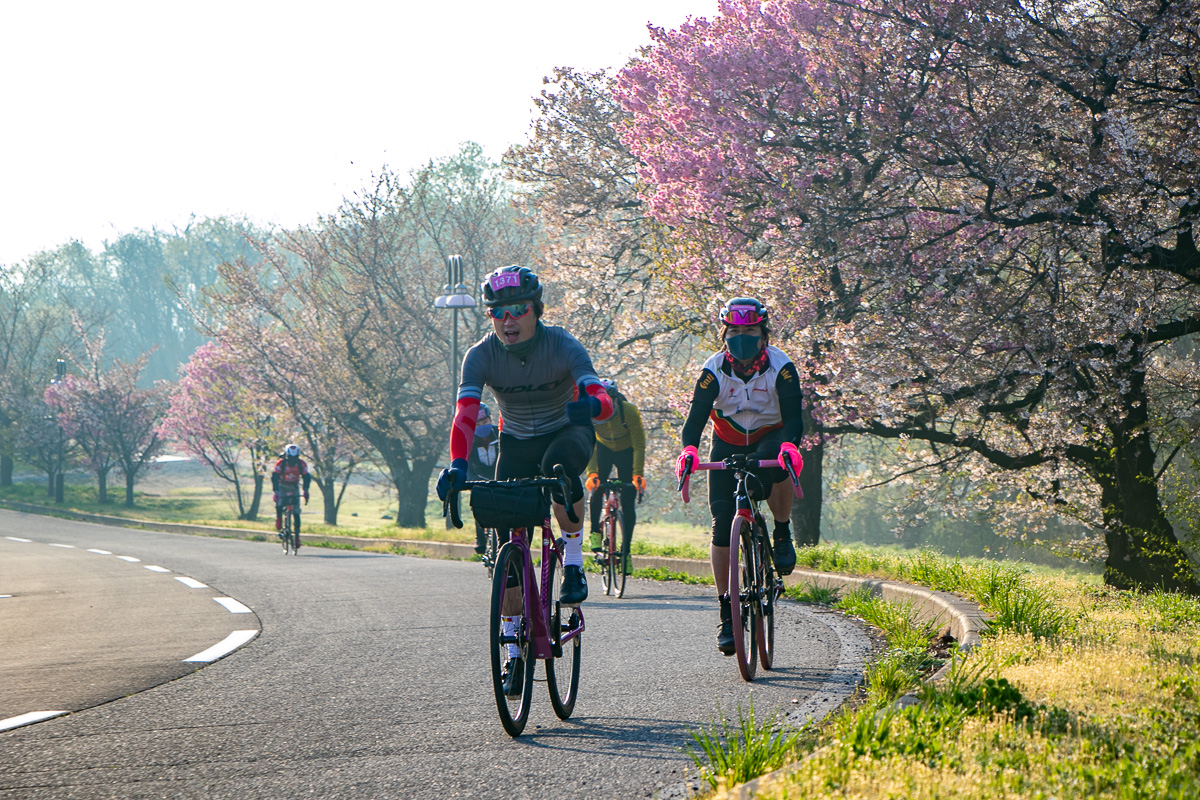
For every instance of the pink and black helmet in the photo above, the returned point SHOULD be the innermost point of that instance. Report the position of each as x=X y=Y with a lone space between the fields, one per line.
x=744 y=311
x=513 y=284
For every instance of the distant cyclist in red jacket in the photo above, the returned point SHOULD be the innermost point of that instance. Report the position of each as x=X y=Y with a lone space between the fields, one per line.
x=290 y=479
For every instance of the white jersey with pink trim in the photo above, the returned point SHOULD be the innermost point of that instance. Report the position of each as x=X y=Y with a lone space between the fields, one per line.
x=533 y=391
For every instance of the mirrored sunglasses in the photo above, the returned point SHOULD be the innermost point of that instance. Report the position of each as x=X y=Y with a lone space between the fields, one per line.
x=743 y=315
x=514 y=310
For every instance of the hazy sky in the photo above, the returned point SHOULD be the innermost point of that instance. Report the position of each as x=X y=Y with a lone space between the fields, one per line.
x=117 y=115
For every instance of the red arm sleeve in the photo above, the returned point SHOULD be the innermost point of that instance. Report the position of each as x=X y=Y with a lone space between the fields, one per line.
x=606 y=404
x=462 y=432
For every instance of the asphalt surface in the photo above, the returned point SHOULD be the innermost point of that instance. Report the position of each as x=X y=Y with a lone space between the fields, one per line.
x=370 y=677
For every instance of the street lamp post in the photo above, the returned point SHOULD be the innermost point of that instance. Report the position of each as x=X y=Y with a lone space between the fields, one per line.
x=60 y=372
x=456 y=296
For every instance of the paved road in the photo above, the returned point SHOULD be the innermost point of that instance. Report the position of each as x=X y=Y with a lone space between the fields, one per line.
x=369 y=679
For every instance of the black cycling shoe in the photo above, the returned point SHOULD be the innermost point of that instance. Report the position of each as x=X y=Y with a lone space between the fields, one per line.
x=480 y=541
x=725 y=633
x=573 y=590
x=513 y=679
x=784 y=554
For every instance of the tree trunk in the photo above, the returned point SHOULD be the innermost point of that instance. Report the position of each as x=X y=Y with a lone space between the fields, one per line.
x=1143 y=553
x=414 y=493
x=6 y=470
x=102 y=485
x=256 y=500
x=129 y=481
x=330 y=499
x=51 y=474
x=806 y=511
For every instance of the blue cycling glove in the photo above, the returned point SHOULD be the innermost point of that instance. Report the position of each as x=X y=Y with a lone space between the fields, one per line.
x=454 y=475
x=583 y=411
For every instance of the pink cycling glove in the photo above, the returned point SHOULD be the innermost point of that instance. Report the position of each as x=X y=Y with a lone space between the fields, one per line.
x=789 y=452
x=682 y=467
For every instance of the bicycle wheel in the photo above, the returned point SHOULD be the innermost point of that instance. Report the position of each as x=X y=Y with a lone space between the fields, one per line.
x=768 y=594
x=508 y=588
x=621 y=552
x=490 y=551
x=562 y=671
x=296 y=535
x=608 y=528
x=742 y=604
x=287 y=531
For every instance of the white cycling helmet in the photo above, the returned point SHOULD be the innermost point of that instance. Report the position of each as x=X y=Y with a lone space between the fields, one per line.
x=292 y=450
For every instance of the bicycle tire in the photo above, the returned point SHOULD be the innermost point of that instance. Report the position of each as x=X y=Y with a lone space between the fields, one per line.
x=608 y=533
x=287 y=531
x=622 y=552
x=513 y=711
x=767 y=596
x=743 y=606
x=562 y=671
x=491 y=549
x=296 y=534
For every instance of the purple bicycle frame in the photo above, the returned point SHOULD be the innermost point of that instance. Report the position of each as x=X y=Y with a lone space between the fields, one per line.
x=539 y=638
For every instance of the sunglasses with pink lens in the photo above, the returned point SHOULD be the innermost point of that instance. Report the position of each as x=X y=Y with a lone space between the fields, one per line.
x=514 y=310
x=743 y=315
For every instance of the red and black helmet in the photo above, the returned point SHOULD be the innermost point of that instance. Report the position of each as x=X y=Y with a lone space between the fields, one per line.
x=513 y=284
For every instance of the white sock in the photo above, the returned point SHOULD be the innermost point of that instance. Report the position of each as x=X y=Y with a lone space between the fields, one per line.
x=573 y=548
x=508 y=626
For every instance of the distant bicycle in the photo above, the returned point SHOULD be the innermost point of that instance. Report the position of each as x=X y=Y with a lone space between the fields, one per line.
x=490 y=550
x=613 y=557
x=527 y=622
x=754 y=585
x=290 y=533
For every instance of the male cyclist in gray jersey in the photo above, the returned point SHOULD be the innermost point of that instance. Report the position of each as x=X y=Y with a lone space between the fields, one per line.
x=534 y=370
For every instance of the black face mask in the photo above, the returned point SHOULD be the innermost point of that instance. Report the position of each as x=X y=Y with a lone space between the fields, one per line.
x=744 y=346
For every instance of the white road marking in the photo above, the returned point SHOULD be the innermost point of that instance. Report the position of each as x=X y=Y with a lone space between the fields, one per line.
x=191 y=583
x=18 y=539
x=130 y=559
x=29 y=719
x=157 y=569
x=101 y=552
x=233 y=605
x=5 y=596
x=224 y=647
x=64 y=546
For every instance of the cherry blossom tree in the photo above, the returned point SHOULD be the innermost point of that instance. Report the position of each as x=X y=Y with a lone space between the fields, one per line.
x=981 y=217
x=220 y=414
x=609 y=269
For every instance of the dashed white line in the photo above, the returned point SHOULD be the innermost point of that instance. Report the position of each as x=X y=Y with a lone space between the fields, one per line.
x=153 y=568
x=5 y=596
x=18 y=539
x=64 y=546
x=28 y=719
x=232 y=605
x=100 y=552
x=224 y=647
x=130 y=559
x=191 y=582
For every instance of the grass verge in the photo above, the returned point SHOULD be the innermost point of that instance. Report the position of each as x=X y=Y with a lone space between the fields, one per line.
x=1077 y=691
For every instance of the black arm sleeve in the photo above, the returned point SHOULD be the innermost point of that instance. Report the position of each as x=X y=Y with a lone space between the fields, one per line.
x=703 y=397
x=791 y=402
x=307 y=481
x=274 y=481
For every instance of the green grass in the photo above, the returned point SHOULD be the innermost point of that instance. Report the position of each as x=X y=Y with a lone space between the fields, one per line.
x=728 y=754
x=1078 y=692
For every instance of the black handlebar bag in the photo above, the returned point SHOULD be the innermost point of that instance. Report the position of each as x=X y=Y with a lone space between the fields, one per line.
x=507 y=507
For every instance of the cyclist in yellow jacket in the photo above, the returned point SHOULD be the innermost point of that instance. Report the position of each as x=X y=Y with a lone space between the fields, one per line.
x=620 y=443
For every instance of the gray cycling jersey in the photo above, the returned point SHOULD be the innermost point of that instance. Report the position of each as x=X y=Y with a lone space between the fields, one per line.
x=532 y=392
